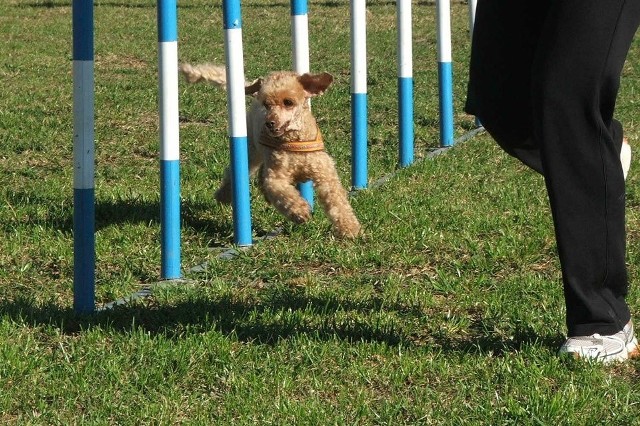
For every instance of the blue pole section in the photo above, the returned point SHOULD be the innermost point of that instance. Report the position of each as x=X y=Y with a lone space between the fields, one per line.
x=169 y=139
x=359 y=140
x=83 y=158
x=405 y=82
x=299 y=7
x=300 y=43
x=306 y=190
x=445 y=79
x=232 y=23
x=405 y=107
x=445 y=72
x=359 y=137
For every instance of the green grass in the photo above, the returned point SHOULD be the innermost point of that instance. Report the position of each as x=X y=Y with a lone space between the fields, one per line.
x=449 y=311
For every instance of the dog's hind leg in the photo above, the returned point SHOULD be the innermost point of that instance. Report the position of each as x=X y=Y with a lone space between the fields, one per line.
x=224 y=194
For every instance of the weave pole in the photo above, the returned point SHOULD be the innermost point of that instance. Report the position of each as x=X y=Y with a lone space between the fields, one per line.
x=169 y=139
x=300 y=43
x=234 y=59
x=84 y=254
x=472 y=24
x=405 y=82
x=472 y=15
x=359 y=136
x=445 y=72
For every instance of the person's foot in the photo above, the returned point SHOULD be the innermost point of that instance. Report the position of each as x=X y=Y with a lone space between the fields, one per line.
x=625 y=157
x=616 y=347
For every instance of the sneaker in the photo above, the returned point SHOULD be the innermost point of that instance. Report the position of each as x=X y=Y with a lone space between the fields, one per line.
x=625 y=157
x=616 y=347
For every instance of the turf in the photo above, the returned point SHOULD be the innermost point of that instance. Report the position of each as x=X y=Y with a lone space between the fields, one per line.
x=448 y=311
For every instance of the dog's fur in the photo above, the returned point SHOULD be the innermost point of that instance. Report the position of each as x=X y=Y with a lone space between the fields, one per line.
x=280 y=115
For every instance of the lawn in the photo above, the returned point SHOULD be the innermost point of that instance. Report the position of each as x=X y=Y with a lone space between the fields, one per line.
x=448 y=311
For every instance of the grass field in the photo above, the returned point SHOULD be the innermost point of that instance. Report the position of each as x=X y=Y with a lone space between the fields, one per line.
x=449 y=311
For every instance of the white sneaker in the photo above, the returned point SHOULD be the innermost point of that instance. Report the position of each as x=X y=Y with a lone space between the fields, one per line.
x=616 y=347
x=625 y=157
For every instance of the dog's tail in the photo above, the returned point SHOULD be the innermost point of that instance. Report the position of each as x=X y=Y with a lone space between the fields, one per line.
x=215 y=74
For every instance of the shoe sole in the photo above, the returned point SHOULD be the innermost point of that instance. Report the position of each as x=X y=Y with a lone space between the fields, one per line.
x=625 y=158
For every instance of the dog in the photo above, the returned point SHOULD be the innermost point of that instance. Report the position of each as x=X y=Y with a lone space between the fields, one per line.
x=286 y=146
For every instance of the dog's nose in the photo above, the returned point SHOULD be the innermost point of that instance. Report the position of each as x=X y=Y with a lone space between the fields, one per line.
x=270 y=124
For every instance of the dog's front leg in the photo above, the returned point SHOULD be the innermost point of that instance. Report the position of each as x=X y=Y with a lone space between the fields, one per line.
x=284 y=196
x=333 y=198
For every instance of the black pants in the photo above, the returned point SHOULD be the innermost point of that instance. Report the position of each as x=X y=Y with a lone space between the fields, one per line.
x=544 y=78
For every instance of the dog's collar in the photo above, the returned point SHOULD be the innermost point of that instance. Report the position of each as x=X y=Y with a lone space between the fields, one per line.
x=314 y=145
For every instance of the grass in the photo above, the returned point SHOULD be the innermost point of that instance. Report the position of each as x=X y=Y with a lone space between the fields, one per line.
x=449 y=311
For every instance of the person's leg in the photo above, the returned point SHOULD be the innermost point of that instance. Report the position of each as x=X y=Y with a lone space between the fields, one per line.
x=505 y=37
x=576 y=75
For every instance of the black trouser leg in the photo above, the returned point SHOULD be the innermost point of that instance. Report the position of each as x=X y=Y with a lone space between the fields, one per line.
x=544 y=79
x=505 y=37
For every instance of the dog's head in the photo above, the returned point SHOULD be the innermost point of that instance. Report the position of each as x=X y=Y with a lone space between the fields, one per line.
x=284 y=96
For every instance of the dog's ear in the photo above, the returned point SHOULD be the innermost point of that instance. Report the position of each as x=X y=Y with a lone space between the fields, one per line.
x=253 y=88
x=315 y=84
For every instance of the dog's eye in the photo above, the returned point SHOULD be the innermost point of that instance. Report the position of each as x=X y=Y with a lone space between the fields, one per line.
x=288 y=103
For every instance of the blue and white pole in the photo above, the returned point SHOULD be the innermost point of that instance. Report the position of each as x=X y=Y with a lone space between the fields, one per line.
x=445 y=73
x=84 y=257
x=405 y=82
x=472 y=15
x=472 y=23
x=359 y=136
x=232 y=23
x=169 y=139
x=300 y=43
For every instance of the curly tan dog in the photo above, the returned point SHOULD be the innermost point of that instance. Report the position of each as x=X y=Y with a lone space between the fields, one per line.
x=286 y=146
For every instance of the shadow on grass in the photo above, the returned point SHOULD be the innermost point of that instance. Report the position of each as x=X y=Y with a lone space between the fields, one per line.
x=286 y=316
x=282 y=4
x=485 y=338
x=50 y=4
x=58 y=215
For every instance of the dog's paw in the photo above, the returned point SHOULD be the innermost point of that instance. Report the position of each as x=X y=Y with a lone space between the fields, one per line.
x=299 y=215
x=223 y=195
x=348 y=231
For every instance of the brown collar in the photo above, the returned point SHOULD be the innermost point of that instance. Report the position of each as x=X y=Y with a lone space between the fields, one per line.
x=297 y=146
